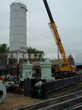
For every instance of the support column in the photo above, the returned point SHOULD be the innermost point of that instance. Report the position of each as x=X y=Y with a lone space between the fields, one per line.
x=27 y=71
x=46 y=70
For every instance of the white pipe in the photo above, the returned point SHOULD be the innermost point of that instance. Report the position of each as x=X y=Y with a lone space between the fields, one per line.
x=2 y=92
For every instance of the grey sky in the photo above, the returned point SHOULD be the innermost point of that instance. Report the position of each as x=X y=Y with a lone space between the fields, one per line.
x=67 y=15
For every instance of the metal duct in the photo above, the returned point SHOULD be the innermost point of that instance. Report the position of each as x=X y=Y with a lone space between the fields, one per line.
x=2 y=92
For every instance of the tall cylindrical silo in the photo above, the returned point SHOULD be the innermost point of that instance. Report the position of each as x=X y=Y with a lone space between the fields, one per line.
x=18 y=36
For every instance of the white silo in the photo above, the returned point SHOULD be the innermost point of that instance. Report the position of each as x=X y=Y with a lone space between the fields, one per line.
x=18 y=36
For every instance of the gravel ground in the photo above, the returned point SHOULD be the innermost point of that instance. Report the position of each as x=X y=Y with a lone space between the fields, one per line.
x=13 y=101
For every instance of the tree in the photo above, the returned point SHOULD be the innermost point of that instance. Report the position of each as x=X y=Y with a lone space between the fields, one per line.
x=3 y=48
x=35 y=52
x=71 y=59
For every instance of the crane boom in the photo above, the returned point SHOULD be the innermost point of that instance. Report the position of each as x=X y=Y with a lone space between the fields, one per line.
x=65 y=65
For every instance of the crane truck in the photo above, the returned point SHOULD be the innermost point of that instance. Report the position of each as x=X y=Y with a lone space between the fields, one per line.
x=65 y=67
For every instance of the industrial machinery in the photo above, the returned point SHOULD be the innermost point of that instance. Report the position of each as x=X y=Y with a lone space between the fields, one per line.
x=65 y=67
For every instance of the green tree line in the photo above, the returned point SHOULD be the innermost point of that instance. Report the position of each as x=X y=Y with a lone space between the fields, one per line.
x=4 y=49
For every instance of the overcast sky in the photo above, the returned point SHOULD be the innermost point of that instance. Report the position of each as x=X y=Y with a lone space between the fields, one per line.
x=68 y=17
